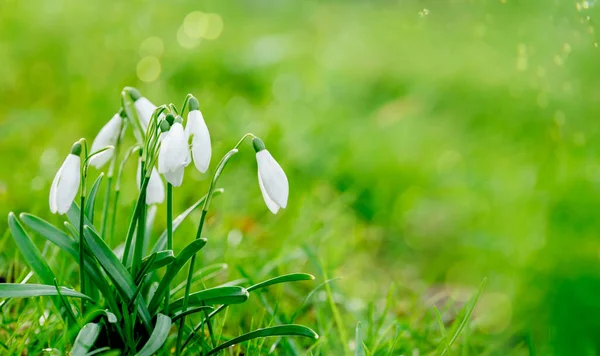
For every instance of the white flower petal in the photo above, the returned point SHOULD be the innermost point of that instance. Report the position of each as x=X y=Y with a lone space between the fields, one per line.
x=179 y=150
x=270 y=203
x=107 y=136
x=53 y=187
x=201 y=148
x=175 y=177
x=145 y=109
x=274 y=179
x=68 y=183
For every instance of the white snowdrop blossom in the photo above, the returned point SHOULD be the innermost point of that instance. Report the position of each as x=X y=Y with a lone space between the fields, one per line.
x=66 y=182
x=107 y=136
x=197 y=131
x=155 y=192
x=145 y=109
x=174 y=154
x=272 y=180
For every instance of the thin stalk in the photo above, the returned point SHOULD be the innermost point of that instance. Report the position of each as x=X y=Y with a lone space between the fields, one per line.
x=109 y=180
x=188 y=284
x=81 y=224
x=114 y=217
x=215 y=178
x=141 y=226
x=169 y=238
x=132 y=223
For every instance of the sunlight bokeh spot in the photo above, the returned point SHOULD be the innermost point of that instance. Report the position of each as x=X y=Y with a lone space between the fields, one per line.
x=148 y=69
x=152 y=46
x=215 y=26
x=186 y=41
x=195 y=24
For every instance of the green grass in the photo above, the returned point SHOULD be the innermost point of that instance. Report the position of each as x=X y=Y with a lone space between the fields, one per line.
x=428 y=150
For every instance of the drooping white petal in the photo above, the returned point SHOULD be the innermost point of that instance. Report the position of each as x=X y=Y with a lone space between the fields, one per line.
x=273 y=177
x=201 y=148
x=53 y=187
x=270 y=203
x=174 y=155
x=107 y=136
x=155 y=192
x=65 y=185
x=145 y=109
x=175 y=177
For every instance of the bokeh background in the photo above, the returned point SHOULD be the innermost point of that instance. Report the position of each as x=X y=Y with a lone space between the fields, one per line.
x=428 y=144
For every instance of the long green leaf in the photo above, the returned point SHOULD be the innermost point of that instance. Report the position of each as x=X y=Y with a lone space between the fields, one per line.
x=73 y=216
x=292 y=277
x=158 y=337
x=162 y=259
x=85 y=339
x=161 y=243
x=457 y=327
x=91 y=198
x=71 y=247
x=172 y=271
x=116 y=271
x=192 y=311
x=279 y=330
x=203 y=274
x=219 y=295
x=17 y=290
x=32 y=255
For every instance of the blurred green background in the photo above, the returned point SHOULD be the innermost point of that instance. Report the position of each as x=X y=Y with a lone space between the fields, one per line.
x=428 y=144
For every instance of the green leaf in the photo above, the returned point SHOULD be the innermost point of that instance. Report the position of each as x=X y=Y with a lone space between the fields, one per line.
x=71 y=247
x=17 y=290
x=279 y=330
x=115 y=270
x=161 y=243
x=172 y=271
x=359 y=351
x=292 y=277
x=192 y=311
x=158 y=337
x=457 y=327
x=73 y=216
x=91 y=198
x=162 y=259
x=85 y=339
x=203 y=274
x=32 y=255
x=218 y=295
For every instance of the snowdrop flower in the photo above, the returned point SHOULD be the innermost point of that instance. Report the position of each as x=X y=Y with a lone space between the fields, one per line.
x=144 y=108
x=271 y=178
x=197 y=131
x=66 y=182
x=155 y=192
x=107 y=136
x=174 y=153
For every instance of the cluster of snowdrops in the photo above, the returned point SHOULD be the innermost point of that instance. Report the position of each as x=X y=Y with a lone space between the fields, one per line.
x=136 y=310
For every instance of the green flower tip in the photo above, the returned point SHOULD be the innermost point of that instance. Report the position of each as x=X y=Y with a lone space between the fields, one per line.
x=258 y=144
x=134 y=93
x=122 y=113
x=164 y=126
x=76 y=149
x=170 y=118
x=193 y=104
x=179 y=119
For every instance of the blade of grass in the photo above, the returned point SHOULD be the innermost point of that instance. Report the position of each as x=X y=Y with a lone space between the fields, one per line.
x=158 y=337
x=172 y=271
x=220 y=295
x=17 y=290
x=85 y=339
x=91 y=199
x=279 y=330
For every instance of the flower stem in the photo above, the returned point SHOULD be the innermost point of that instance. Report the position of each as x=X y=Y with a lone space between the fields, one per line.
x=109 y=180
x=169 y=238
x=82 y=252
x=141 y=225
x=188 y=284
x=213 y=182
